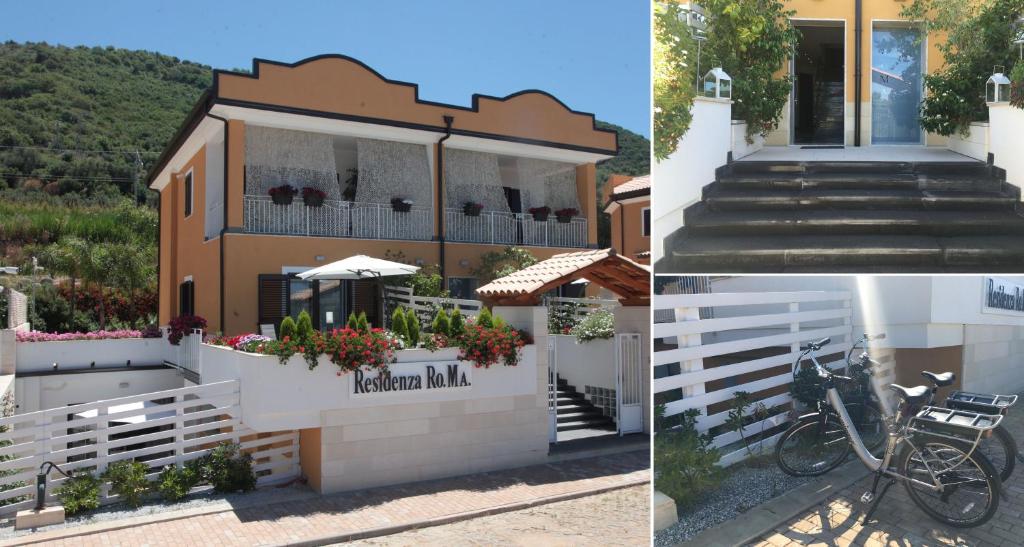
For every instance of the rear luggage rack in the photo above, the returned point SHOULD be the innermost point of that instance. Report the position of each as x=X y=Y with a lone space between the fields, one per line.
x=963 y=425
x=980 y=402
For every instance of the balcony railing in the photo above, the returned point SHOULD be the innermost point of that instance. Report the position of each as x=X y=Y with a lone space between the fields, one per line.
x=378 y=221
x=514 y=229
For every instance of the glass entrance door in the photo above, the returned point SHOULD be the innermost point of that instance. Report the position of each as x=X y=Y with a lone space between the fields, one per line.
x=896 y=85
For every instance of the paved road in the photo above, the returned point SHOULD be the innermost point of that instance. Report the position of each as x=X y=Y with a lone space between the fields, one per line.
x=619 y=517
x=837 y=521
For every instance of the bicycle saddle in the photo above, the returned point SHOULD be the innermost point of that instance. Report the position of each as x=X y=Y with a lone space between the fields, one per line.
x=912 y=395
x=942 y=380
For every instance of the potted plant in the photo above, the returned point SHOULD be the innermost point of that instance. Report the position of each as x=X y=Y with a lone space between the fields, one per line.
x=284 y=194
x=401 y=205
x=313 y=197
x=472 y=209
x=540 y=214
x=565 y=215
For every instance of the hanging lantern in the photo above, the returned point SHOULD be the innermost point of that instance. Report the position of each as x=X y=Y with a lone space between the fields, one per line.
x=717 y=84
x=997 y=89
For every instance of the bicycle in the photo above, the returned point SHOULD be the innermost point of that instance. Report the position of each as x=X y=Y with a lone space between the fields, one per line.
x=1000 y=448
x=929 y=451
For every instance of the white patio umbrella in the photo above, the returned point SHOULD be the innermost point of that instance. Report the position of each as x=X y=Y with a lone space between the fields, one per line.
x=360 y=267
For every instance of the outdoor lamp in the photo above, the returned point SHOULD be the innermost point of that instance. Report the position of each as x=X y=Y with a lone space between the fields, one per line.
x=997 y=89
x=41 y=483
x=717 y=84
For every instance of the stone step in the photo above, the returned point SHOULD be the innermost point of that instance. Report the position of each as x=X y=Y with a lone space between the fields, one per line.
x=570 y=408
x=607 y=424
x=700 y=221
x=973 y=168
x=724 y=199
x=857 y=254
x=593 y=416
x=857 y=182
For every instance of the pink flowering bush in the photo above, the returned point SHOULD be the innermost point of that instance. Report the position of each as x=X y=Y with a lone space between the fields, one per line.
x=33 y=336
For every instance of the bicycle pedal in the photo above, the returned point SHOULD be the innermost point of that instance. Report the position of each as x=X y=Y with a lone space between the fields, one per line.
x=867 y=497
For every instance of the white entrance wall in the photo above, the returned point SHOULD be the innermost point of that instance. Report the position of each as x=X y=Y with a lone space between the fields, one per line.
x=975 y=144
x=586 y=364
x=46 y=391
x=1006 y=125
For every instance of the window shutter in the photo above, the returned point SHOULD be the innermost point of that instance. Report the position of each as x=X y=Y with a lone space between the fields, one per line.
x=186 y=298
x=273 y=299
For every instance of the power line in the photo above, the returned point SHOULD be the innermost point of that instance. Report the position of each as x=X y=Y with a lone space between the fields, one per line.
x=53 y=149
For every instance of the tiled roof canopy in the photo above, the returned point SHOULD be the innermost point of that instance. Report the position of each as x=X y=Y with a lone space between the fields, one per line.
x=633 y=185
x=605 y=267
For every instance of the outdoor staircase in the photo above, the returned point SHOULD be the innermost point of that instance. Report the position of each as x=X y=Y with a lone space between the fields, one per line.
x=790 y=216
x=576 y=412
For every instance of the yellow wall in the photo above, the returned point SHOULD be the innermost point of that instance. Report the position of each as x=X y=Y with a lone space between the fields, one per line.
x=635 y=241
x=872 y=10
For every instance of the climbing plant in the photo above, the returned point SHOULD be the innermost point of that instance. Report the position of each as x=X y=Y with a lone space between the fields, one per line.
x=673 y=77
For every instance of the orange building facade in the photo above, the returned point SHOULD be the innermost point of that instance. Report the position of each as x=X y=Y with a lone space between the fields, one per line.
x=375 y=171
x=627 y=202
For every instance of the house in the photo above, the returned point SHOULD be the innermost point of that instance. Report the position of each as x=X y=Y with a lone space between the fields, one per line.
x=386 y=174
x=628 y=203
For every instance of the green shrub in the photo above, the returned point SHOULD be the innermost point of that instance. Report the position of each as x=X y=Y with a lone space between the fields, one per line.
x=304 y=326
x=175 y=483
x=457 y=324
x=412 y=325
x=227 y=469
x=442 y=324
x=287 y=328
x=497 y=322
x=398 y=325
x=685 y=461
x=598 y=325
x=563 y=316
x=352 y=322
x=128 y=480
x=79 y=493
x=362 y=324
x=484 y=319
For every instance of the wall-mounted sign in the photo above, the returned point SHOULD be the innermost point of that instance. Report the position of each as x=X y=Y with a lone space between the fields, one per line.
x=1002 y=297
x=406 y=377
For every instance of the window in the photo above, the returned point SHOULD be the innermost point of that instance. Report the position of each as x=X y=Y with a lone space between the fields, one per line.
x=187 y=298
x=463 y=288
x=188 y=194
x=645 y=226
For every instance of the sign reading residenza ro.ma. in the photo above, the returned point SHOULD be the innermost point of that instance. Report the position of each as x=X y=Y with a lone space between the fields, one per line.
x=413 y=377
x=1002 y=297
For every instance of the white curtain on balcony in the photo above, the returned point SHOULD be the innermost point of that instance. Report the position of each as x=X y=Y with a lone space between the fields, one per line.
x=545 y=182
x=473 y=176
x=389 y=169
x=281 y=156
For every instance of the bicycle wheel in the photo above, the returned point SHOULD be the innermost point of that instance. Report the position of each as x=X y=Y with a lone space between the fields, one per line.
x=867 y=418
x=812 y=446
x=970 y=484
x=1001 y=451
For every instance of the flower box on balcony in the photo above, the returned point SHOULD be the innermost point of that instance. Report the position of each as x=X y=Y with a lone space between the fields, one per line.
x=400 y=205
x=540 y=214
x=471 y=209
x=283 y=195
x=565 y=215
x=313 y=197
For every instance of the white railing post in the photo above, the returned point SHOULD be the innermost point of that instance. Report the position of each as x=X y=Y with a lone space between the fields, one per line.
x=179 y=435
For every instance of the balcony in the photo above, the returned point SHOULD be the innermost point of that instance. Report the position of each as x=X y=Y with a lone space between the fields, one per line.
x=499 y=228
x=376 y=221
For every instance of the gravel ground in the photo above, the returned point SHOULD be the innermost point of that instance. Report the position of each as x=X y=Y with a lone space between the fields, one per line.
x=745 y=487
x=619 y=517
x=155 y=505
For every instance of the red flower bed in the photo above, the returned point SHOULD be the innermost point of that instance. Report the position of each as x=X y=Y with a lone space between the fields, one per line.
x=183 y=325
x=485 y=346
x=347 y=348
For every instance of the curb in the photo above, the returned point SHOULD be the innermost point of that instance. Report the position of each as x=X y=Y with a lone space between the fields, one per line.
x=762 y=519
x=448 y=519
x=99 y=528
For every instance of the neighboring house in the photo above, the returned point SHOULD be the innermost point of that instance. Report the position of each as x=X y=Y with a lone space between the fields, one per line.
x=228 y=252
x=628 y=202
x=895 y=55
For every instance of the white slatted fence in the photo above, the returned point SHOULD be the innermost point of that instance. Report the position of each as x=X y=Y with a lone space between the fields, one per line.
x=424 y=305
x=770 y=324
x=161 y=428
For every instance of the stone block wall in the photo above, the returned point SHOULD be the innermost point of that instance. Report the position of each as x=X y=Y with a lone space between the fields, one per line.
x=993 y=359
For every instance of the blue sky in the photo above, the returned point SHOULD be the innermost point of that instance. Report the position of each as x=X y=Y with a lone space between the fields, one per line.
x=593 y=55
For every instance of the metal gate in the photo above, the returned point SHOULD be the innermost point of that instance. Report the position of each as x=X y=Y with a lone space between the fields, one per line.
x=629 y=382
x=552 y=392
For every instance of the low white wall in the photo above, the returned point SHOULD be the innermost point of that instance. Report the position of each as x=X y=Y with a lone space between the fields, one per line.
x=740 y=147
x=72 y=354
x=1005 y=127
x=46 y=391
x=586 y=364
x=679 y=179
x=974 y=145
x=992 y=357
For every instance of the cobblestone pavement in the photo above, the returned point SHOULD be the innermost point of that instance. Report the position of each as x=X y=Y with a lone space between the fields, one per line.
x=355 y=512
x=837 y=521
x=619 y=517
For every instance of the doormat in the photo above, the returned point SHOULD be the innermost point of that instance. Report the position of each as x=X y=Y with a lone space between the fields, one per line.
x=826 y=147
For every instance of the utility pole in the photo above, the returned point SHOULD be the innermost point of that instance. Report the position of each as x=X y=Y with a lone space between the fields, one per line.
x=138 y=173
